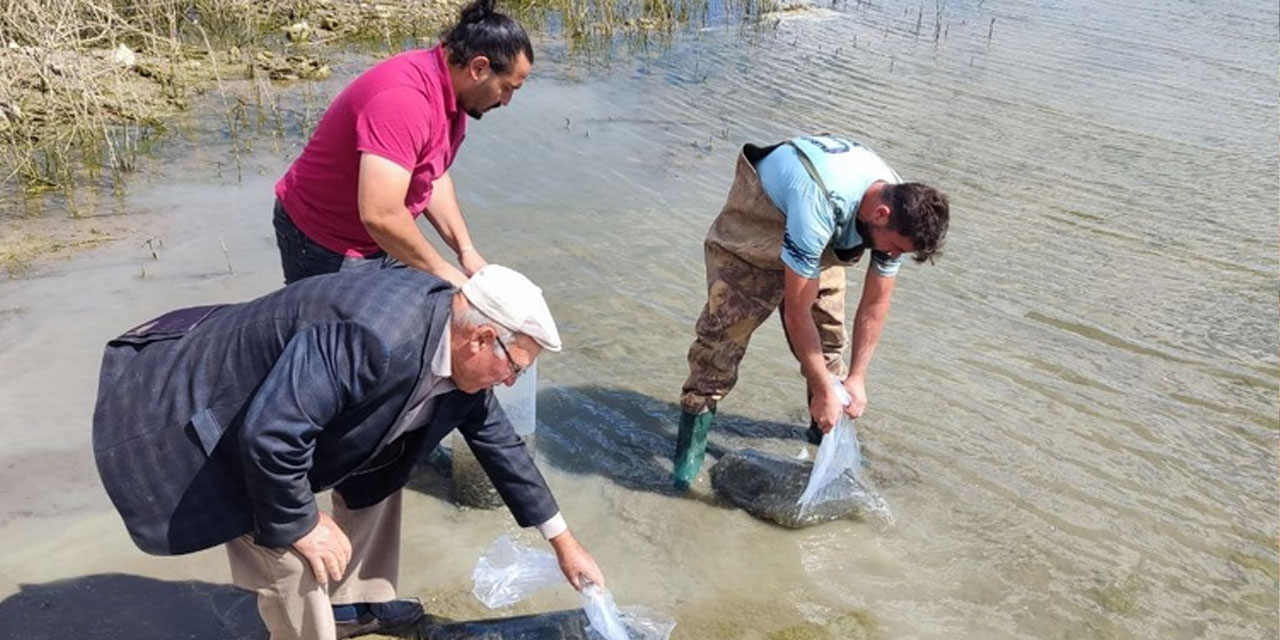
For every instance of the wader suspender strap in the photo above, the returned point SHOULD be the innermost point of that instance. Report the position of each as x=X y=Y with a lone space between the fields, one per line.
x=808 y=166
x=813 y=173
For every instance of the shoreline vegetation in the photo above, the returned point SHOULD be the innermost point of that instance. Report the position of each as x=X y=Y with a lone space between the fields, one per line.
x=84 y=83
x=86 y=86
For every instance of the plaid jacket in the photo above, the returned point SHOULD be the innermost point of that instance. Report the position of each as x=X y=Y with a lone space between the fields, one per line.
x=218 y=421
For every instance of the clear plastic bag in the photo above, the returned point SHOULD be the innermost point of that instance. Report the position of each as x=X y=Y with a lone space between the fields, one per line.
x=644 y=624
x=838 y=454
x=608 y=622
x=509 y=572
x=605 y=618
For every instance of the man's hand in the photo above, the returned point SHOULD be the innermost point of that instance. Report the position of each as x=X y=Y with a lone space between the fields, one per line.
x=824 y=408
x=857 y=388
x=327 y=549
x=452 y=274
x=578 y=565
x=471 y=260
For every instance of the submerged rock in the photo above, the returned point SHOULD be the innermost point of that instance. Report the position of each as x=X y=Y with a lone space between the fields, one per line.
x=768 y=487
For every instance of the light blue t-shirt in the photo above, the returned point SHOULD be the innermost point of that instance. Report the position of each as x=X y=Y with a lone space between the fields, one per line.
x=816 y=221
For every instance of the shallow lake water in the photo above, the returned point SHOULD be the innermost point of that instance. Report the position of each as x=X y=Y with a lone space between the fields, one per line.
x=1073 y=413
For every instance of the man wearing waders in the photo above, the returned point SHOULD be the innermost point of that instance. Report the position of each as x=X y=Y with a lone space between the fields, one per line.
x=797 y=214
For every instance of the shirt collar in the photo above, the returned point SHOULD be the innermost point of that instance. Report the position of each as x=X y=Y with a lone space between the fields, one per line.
x=442 y=360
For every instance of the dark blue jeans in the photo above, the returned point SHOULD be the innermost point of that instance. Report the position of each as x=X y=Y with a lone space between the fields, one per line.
x=301 y=257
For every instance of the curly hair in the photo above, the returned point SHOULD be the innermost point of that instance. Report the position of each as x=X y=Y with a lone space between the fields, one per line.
x=483 y=31
x=921 y=213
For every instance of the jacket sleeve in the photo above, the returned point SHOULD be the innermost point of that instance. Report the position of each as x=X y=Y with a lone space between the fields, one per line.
x=507 y=462
x=321 y=372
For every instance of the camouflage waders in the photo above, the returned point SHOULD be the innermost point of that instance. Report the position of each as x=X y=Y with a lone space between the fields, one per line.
x=745 y=273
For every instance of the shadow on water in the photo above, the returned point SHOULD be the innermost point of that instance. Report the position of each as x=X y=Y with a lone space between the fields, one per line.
x=629 y=437
x=621 y=435
x=114 y=605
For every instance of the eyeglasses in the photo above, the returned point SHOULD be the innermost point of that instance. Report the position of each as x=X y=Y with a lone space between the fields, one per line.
x=516 y=370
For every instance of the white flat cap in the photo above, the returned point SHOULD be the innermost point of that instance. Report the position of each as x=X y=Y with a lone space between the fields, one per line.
x=513 y=302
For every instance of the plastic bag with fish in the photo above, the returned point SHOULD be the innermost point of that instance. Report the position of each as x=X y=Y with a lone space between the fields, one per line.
x=609 y=622
x=509 y=572
x=839 y=454
x=797 y=493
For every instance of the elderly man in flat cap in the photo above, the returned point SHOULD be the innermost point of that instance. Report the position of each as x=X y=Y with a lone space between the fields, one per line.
x=220 y=424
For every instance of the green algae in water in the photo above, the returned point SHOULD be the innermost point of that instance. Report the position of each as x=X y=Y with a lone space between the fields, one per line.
x=852 y=625
x=806 y=631
x=1120 y=596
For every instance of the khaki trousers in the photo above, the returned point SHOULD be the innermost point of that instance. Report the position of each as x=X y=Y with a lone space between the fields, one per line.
x=293 y=605
x=745 y=275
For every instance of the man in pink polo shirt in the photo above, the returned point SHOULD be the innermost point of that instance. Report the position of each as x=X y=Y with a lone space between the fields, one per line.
x=380 y=155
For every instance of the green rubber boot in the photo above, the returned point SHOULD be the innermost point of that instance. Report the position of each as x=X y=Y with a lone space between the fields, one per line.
x=691 y=447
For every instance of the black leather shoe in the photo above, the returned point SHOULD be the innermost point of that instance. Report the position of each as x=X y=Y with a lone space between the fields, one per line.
x=376 y=617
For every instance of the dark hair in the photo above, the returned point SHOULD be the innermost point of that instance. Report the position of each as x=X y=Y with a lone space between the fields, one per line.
x=482 y=31
x=921 y=213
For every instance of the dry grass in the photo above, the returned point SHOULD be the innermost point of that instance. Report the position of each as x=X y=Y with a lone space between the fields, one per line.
x=85 y=85
x=590 y=27
x=83 y=82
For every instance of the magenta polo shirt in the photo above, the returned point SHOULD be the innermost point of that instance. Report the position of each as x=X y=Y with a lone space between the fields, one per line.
x=404 y=110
